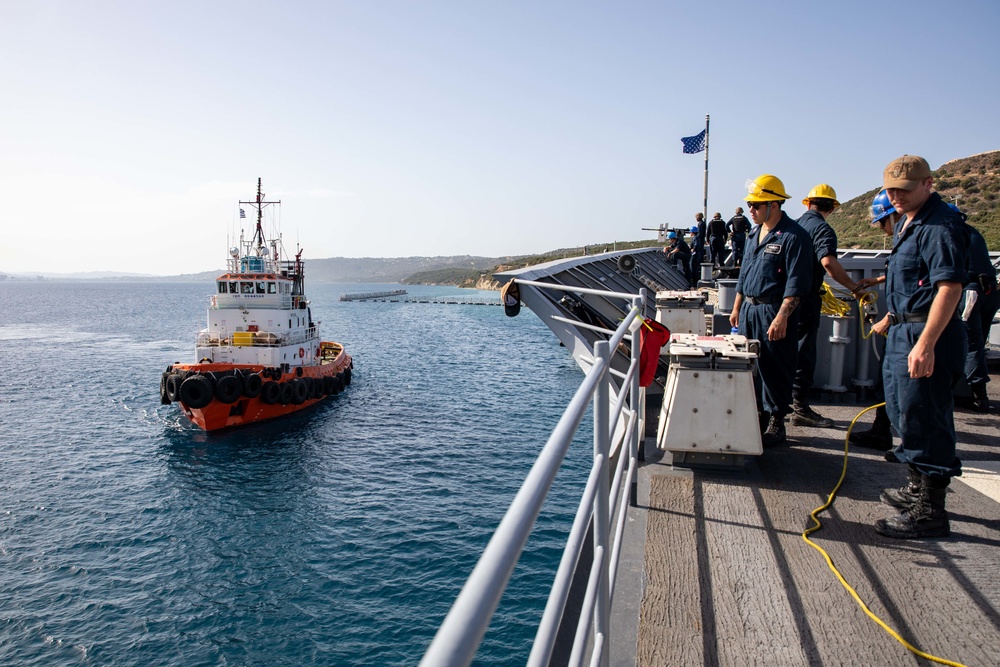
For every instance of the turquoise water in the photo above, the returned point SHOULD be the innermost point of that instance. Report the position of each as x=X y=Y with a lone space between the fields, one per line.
x=336 y=536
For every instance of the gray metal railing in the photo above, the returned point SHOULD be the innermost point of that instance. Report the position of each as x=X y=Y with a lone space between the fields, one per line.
x=602 y=507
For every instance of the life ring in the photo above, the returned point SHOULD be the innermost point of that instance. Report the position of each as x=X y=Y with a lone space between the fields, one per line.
x=196 y=392
x=302 y=353
x=228 y=389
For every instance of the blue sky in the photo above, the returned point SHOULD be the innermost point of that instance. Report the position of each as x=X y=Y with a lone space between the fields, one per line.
x=129 y=130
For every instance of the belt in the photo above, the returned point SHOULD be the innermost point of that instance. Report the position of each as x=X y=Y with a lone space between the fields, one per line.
x=760 y=301
x=907 y=318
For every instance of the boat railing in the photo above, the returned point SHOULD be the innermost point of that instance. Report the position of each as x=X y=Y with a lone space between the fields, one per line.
x=256 y=338
x=605 y=499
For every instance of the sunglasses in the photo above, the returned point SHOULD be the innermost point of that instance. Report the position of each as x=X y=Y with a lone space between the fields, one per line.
x=754 y=205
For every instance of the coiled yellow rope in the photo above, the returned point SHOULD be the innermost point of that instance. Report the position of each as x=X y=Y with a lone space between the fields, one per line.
x=829 y=561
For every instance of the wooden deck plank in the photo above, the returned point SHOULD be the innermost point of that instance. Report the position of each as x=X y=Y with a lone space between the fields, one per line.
x=730 y=581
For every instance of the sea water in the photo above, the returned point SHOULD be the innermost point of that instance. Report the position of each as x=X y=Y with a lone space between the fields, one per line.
x=336 y=536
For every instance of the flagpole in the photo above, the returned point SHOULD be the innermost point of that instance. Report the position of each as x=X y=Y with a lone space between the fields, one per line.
x=705 y=202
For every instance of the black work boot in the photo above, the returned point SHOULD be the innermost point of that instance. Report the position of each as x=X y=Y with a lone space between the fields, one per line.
x=803 y=415
x=905 y=496
x=774 y=435
x=878 y=436
x=926 y=518
x=980 y=401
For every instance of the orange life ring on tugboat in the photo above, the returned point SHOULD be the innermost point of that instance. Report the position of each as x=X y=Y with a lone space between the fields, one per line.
x=302 y=353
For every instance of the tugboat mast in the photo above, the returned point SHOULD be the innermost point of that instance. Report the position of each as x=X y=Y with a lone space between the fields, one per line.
x=258 y=236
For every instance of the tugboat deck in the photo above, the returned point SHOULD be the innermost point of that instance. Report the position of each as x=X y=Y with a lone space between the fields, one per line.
x=715 y=570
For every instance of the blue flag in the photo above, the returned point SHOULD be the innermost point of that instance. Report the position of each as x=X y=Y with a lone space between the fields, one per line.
x=243 y=213
x=695 y=144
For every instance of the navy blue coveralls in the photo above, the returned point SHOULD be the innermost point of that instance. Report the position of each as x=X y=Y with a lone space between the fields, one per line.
x=697 y=253
x=824 y=241
x=738 y=226
x=682 y=257
x=775 y=267
x=983 y=281
x=932 y=248
x=717 y=239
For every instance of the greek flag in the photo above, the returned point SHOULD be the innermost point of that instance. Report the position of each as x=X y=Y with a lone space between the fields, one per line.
x=695 y=144
x=243 y=213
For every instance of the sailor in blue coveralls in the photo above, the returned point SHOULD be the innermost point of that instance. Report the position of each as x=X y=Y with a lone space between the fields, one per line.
x=981 y=302
x=776 y=274
x=925 y=348
x=821 y=202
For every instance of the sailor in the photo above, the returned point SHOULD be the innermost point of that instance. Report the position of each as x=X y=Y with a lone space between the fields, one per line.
x=738 y=228
x=979 y=305
x=926 y=347
x=776 y=275
x=820 y=202
x=879 y=436
x=717 y=238
x=697 y=247
x=679 y=253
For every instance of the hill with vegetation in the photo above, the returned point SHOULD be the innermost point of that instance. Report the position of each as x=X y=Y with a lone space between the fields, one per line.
x=973 y=183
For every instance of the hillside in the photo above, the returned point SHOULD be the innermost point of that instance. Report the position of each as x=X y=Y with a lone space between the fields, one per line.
x=483 y=279
x=974 y=181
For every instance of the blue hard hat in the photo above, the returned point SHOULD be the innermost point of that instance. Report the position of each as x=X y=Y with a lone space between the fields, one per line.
x=672 y=235
x=881 y=207
x=694 y=229
x=955 y=208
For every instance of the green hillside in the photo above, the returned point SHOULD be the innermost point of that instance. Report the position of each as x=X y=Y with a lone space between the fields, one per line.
x=974 y=181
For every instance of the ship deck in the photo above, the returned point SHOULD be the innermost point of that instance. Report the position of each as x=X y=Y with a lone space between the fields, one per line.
x=715 y=570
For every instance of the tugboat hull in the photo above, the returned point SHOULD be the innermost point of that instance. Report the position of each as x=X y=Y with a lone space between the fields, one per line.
x=218 y=396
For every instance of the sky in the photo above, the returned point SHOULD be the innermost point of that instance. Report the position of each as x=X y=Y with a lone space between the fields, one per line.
x=130 y=130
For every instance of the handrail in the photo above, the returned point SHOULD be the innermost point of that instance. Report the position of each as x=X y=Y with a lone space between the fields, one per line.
x=603 y=504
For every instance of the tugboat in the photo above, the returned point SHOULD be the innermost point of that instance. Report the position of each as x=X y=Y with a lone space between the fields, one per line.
x=260 y=356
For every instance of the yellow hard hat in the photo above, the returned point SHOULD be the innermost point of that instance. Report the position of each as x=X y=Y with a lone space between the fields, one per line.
x=766 y=188
x=822 y=191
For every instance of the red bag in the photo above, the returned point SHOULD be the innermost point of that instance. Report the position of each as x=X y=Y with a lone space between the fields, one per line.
x=652 y=336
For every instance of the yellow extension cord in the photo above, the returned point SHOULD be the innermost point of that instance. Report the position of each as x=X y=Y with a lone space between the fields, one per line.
x=829 y=561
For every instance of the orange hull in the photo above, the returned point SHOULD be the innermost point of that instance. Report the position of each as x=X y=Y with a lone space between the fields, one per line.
x=234 y=397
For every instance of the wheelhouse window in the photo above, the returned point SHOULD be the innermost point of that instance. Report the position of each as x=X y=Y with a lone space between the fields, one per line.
x=222 y=287
x=246 y=288
x=260 y=287
x=271 y=287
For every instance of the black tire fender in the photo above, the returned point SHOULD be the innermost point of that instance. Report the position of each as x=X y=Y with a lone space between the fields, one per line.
x=300 y=391
x=196 y=391
x=228 y=389
x=173 y=387
x=287 y=393
x=252 y=385
x=270 y=393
